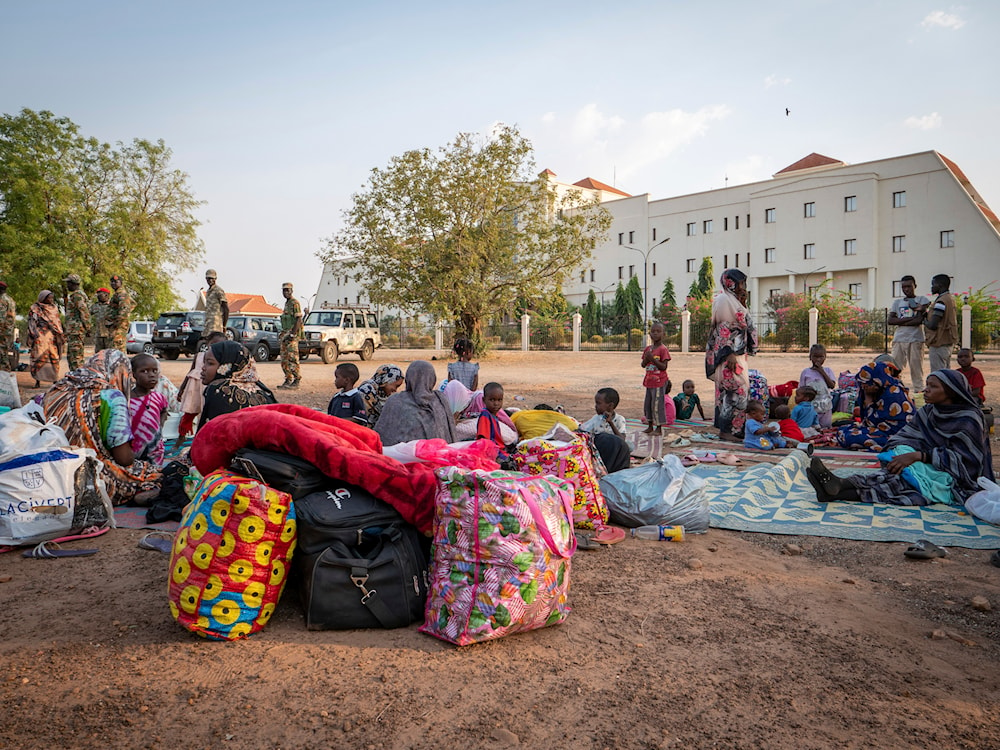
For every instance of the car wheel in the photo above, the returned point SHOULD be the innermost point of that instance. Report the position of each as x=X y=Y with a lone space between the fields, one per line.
x=261 y=352
x=367 y=351
x=172 y=354
x=147 y=348
x=303 y=355
x=330 y=352
x=203 y=346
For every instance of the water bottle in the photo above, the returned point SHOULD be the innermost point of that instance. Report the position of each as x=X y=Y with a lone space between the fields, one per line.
x=660 y=533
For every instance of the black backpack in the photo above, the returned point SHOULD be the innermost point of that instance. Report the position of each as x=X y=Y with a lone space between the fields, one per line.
x=280 y=471
x=359 y=565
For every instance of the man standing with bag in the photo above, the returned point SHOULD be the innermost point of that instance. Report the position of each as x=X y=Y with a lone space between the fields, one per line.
x=216 y=305
x=291 y=324
x=119 y=311
x=908 y=315
x=8 y=312
x=941 y=324
x=77 y=321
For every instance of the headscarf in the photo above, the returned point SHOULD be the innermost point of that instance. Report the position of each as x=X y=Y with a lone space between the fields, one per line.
x=733 y=330
x=458 y=396
x=42 y=296
x=109 y=368
x=418 y=413
x=41 y=316
x=235 y=365
x=883 y=374
x=235 y=385
x=371 y=390
x=954 y=435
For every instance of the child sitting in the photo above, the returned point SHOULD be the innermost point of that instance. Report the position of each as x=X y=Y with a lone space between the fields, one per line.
x=977 y=383
x=669 y=410
x=685 y=403
x=760 y=434
x=804 y=414
x=608 y=429
x=488 y=426
x=348 y=403
x=147 y=409
x=789 y=427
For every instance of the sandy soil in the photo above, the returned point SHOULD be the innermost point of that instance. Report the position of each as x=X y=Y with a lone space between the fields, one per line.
x=724 y=640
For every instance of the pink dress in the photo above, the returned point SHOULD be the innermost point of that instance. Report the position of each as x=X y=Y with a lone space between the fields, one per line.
x=147 y=439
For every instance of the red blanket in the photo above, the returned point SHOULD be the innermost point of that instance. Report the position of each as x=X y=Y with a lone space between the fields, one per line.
x=337 y=447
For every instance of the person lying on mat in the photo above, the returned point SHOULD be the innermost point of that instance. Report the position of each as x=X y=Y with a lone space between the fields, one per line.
x=936 y=458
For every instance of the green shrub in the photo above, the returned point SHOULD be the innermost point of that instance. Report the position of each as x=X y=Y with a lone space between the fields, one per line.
x=391 y=341
x=848 y=341
x=875 y=341
x=596 y=339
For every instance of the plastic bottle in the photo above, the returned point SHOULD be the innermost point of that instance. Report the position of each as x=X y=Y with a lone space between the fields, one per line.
x=660 y=533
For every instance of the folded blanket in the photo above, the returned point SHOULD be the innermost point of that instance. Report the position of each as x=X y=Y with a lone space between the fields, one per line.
x=339 y=448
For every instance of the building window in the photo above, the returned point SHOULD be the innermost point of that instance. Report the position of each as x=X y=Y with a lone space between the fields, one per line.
x=850 y=203
x=748 y=260
x=768 y=215
x=897 y=289
x=725 y=223
x=810 y=210
x=706 y=226
x=855 y=291
x=631 y=237
x=654 y=234
x=631 y=271
x=591 y=274
x=748 y=221
x=654 y=274
x=899 y=243
x=948 y=238
x=621 y=271
x=725 y=260
x=690 y=265
x=809 y=251
x=899 y=199
x=769 y=255
x=691 y=229
x=737 y=220
x=772 y=293
x=736 y=260
x=850 y=247
x=583 y=276
x=621 y=238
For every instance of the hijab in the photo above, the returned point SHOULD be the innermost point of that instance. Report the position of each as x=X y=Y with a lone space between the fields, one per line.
x=371 y=390
x=418 y=413
x=235 y=385
x=883 y=374
x=43 y=295
x=732 y=331
x=235 y=365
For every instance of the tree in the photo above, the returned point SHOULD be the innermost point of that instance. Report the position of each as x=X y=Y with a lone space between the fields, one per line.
x=669 y=314
x=704 y=285
x=464 y=231
x=70 y=204
x=591 y=315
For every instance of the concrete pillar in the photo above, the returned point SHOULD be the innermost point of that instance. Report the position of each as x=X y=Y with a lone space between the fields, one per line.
x=439 y=335
x=685 y=330
x=754 y=294
x=791 y=284
x=870 y=296
x=577 y=323
x=525 y=332
x=813 y=325
x=966 y=326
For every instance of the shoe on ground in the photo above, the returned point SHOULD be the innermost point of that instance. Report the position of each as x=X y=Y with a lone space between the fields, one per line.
x=293 y=386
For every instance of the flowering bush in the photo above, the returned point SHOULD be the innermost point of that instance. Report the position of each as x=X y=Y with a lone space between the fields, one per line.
x=840 y=321
x=985 y=312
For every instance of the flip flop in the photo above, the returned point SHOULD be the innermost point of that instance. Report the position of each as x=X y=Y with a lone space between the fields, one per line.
x=585 y=542
x=158 y=541
x=690 y=460
x=706 y=457
x=924 y=550
x=680 y=443
x=52 y=550
x=728 y=459
x=608 y=535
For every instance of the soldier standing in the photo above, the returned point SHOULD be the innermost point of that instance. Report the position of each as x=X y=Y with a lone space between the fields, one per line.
x=119 y=310
x=77 y=321
x=216 y=305
x=291 y=325
x=8 y=310
x=98 y=318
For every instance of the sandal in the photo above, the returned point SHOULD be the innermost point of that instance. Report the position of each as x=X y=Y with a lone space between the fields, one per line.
x=585 y=542
x=680 y=443
x=690 y=460
x=706 y=457
x=728 y=459
x=608 y=535
x=52 y=550
x=924 y=550
x=158 y=541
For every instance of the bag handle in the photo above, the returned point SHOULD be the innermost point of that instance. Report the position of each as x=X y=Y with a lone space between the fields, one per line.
x=543 y=527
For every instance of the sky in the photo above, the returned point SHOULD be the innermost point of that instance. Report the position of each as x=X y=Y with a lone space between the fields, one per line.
x=278 y=111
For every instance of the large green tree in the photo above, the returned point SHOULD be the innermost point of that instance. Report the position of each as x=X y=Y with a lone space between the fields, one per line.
x=703 y=286
x=464 y=231
x=591 y=314
x=70 y=204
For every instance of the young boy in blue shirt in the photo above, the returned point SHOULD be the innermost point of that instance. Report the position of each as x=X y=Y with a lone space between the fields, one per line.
x=804 y=413
x=758 y=433
x=348 y=403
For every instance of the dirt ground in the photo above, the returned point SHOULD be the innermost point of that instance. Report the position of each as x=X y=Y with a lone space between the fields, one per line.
x=723 y=640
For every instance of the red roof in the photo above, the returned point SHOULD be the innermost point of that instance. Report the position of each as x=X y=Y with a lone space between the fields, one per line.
x=811 y=162
x=959 y=174
x=591 y=184
x=547 y=171
x=250 y=304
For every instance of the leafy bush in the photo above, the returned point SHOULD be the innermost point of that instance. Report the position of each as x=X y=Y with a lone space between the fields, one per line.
x=392 y=341
x=985 y=313
x=875 y=341
x=848 y=341
x=596 y=339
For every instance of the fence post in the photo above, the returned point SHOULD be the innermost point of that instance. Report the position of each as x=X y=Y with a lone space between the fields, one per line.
x=685 y=330
x=525 y=332
x=966 y=326
x=439 y=335
x=577 y=322
x=813 y=326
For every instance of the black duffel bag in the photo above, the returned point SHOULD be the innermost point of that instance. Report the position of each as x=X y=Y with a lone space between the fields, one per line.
x=280 y=471
x=359 y=565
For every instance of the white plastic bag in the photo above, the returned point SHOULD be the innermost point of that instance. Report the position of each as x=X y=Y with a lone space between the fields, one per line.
x=659 y=493
x=37 y=496
x=985 y=504
x=21 y=434
x=9 y=394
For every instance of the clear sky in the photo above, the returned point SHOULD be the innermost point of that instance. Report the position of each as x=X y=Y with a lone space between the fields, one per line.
x=277 y=111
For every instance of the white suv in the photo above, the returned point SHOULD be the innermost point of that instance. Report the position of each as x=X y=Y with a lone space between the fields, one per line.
x=333 y=332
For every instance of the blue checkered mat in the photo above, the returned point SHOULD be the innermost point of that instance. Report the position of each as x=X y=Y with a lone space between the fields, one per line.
x=778 y=499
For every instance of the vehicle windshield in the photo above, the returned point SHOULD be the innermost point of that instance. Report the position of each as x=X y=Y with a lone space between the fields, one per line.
x=176 y=319
x=324 y=318
x=237 y=322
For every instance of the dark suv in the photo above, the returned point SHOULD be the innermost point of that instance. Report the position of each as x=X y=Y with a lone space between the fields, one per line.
x=177 y=333
x=258 y=333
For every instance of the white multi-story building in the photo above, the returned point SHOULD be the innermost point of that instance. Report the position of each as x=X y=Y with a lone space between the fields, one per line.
x=859 y=227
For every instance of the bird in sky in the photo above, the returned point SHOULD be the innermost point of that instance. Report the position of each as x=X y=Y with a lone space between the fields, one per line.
x=787 y=111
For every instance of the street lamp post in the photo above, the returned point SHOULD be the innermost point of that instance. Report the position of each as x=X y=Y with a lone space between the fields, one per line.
x=805 y=277
x=601 y=292
x=645 y=276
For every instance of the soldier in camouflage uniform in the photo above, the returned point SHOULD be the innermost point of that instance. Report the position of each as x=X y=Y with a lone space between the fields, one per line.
x=216 y=305
x=98 y=316
x=77 y=322
x=291 y=326
x=119 y=310
x=7 y=312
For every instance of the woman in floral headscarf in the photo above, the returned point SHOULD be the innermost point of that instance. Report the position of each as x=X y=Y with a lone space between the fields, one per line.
x=732 y=339
x=885 y=408
x=387 y=380
x=231 y=381
x=45 y=337
x=90 y=404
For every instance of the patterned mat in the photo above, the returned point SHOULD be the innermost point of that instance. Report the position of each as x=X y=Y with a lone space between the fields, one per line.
x=778 y=499
x=135 y=518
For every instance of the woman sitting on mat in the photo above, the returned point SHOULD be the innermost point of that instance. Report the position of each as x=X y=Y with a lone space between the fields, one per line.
x=885 y=407
x=936 y=458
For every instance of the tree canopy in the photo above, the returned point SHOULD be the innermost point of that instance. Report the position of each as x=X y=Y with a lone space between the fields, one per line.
x=70 y=204
x=465 y=231
x=703 y=286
